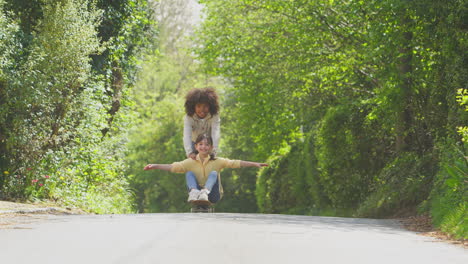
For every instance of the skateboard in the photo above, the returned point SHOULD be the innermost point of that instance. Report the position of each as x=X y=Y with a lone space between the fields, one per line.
x=200 y=206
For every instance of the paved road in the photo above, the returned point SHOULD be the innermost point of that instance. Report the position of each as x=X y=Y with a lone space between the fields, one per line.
x=220 y=239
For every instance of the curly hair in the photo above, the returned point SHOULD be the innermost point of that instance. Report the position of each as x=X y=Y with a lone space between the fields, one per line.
x=201 y=96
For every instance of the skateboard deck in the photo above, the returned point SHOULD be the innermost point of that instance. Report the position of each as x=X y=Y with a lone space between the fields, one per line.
x=200 y=206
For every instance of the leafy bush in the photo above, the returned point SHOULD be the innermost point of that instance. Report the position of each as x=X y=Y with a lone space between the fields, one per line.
x=85 y=173
x=349 y=151
x=273 y=190
x=40 y=94
x=158 y=139
x=8 y=40
x=66 y=135
x=400 y=187
x=462 y=98
x=291 y=183
x=448 y=201
x=239 y=184
x=8 y=45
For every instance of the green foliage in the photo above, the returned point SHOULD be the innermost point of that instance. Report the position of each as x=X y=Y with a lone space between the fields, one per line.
x=8 y=45
x=39 y=96
x=239 y=184
x=291 y=183
x=8 y=42
x=248 y=43
x=157 y=135
x=349 y=152
x=158 y=140
x=372 y=82
x=316 y=193
x=128 y=30
x=290 y=61
x=400 y=187
x=448 y=201
x=65 y=139
x=274 y=185
x=462 y=98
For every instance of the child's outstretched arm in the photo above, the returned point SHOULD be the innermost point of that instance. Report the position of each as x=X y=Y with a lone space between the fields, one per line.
x=252 y=164
x=166 y=167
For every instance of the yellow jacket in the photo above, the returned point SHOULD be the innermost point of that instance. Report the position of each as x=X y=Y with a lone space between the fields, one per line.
x=203 y=169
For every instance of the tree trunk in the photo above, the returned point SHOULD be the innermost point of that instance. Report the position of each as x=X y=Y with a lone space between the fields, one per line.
x=404 y=114
x=117 y=86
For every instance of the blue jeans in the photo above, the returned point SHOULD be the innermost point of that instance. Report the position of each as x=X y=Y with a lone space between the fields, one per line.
x=211 y=184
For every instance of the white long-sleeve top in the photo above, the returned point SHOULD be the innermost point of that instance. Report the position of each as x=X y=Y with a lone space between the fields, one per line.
x=194 y=126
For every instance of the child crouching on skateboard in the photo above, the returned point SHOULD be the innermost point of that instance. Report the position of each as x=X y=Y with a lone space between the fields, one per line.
x=202 y=174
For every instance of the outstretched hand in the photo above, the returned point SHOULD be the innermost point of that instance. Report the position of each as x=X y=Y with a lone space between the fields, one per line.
x=253 y=164
x=166 y=167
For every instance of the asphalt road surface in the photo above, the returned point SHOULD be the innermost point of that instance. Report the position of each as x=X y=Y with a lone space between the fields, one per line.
x=220 y=239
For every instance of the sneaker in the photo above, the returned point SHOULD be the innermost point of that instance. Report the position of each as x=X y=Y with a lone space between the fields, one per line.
x=193 y=195
x=203 y=196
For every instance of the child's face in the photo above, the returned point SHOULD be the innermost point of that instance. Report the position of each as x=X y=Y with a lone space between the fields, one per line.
x=203 y=147
x=202 y=110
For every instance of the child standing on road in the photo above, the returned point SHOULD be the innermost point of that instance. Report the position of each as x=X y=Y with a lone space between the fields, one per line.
x=202 y=173
x=201 y=108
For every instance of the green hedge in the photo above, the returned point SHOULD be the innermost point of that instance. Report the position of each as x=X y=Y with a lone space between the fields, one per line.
x=350 y=150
